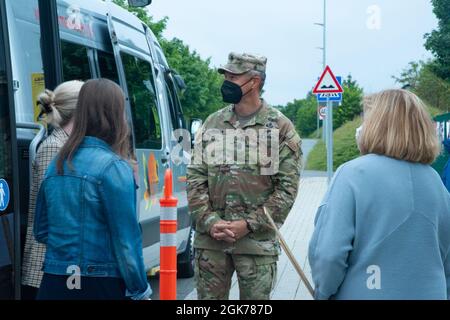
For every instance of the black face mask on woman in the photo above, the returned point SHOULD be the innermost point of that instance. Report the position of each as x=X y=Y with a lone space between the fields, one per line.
x=232 y=92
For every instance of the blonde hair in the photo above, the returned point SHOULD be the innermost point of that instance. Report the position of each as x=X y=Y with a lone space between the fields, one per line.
x=60 y=104
x=399 y=126
x=367 y=104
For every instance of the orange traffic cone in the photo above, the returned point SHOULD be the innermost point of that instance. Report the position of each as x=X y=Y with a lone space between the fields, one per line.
x=168 y=244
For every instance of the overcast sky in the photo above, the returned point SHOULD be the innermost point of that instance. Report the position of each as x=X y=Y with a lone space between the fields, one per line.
x=371 y=40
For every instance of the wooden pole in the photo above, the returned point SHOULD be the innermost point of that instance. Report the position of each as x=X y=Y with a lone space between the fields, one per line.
x=289 y=254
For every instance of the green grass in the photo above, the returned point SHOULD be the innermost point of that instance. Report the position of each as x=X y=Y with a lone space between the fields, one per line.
x=344 y=148
x=314 y=134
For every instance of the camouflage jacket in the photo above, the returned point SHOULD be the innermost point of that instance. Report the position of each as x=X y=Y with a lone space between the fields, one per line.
x=229 y=191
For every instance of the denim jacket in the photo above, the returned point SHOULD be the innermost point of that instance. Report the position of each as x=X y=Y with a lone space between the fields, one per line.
x=87 y=218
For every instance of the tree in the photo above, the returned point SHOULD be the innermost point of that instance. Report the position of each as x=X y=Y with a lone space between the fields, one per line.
x=290 y=110
x=202 y=96
x=156 y=26
x=424 y=82
x=438 y=41
x=433 y=89
x=431 y=80
x=351 y=103
x=409 y=77
x=306 y=118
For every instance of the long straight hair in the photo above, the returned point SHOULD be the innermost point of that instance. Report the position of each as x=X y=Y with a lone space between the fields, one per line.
x=100 y=113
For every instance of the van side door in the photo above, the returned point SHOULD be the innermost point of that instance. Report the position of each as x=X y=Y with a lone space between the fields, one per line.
x=139 y=82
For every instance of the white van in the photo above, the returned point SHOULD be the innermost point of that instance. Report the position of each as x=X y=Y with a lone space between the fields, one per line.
x=98 y=39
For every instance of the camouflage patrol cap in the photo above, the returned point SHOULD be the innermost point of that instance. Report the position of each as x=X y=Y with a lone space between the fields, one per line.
x=242 y=63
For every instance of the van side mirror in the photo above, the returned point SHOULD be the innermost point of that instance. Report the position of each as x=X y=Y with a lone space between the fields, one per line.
x=195 y=125
x=179 y=81
x=139 y=3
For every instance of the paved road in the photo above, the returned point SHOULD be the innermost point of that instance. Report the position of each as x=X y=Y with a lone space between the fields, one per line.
x=184 y=287
x=307 y=146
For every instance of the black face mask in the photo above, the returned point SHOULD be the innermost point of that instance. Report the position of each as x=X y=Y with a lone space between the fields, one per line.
x=232 y=92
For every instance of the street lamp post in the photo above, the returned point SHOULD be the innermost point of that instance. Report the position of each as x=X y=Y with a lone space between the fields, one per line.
x=324 y=62
x=328 y=122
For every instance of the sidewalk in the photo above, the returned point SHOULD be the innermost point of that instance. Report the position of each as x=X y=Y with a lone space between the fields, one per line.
x=297 y=231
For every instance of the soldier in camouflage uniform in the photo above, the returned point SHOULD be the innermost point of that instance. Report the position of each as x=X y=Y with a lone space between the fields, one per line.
x=226 y=199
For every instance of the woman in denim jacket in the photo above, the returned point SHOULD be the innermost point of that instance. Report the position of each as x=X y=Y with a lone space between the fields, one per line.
x=86 y=207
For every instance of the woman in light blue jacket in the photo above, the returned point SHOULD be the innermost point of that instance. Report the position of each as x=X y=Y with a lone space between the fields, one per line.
x=383 y=228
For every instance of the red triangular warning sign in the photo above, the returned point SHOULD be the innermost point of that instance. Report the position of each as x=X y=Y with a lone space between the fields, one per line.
x=328 y=83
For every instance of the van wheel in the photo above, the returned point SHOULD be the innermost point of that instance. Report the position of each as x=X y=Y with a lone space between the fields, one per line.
x=185 y=259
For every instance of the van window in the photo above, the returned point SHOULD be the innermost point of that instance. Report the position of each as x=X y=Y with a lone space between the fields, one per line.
x=75 y=62
x=108 y=67
x=143 y=101
x=174 y=105
x=173 y=114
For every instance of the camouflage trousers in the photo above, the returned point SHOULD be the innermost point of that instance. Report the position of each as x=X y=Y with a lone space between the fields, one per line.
x=214 y=269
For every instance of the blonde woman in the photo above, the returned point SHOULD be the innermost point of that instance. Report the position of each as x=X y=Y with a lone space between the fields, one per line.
x=383 y=228
x=57 y=108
